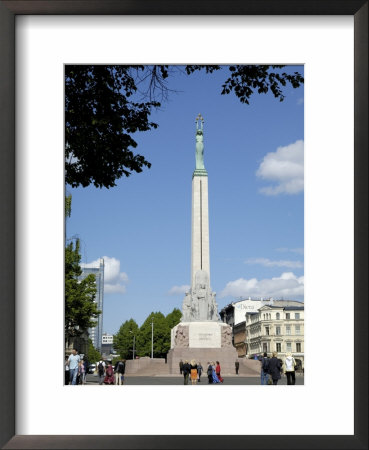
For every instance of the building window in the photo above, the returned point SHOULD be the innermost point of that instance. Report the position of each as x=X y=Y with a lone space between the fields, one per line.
x=278 y=316
x=267 y=331
x=265 y=347
x=288 y=329
x=278 y=330
x=297 y=329
x=288 y=347
x=288 y=316
x=298 y=347
x=297 y=315
x=278 y=346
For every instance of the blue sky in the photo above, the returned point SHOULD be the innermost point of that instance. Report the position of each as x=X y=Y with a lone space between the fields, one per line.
x=142 y=227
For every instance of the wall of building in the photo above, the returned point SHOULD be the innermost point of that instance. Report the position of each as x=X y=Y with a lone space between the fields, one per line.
x=273 y=330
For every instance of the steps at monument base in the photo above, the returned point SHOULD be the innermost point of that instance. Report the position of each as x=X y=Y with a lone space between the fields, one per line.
x=147 y=366
x=249 y=367
x=227 y=356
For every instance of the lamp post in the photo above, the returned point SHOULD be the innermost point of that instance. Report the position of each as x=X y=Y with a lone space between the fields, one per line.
x=134 y=341
x=152 y=338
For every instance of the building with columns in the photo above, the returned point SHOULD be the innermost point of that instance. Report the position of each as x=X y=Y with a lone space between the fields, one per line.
x=275 y=329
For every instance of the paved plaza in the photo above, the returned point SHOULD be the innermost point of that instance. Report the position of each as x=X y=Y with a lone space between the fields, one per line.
x=177 y=380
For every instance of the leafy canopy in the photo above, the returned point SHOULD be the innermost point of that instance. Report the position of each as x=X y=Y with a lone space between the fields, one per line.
x=123 y=340
x=161 y=341
x=105 y=105
x=80 y=307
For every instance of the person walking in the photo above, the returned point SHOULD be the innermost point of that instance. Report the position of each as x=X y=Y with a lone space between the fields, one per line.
x=237 y=366
x=289 y=368
x=66 y=371
x=199 y=370
x=210 y=373
x=275 y=368
x=193 y=372
x=81 y=371
x=73 y=361
x=119 y=370
x=109 y=374
x=101 y=371
x=215 y=378
x=180 y=367
x=264 y=370
x=217 y=371
x=186 y=369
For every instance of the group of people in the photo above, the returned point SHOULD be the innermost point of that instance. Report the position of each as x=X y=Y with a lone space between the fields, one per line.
x=111 y=375
x=193 y=370
x=271 y=369
x=76 y=369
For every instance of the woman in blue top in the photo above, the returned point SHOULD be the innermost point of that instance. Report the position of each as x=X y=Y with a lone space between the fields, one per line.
x=215 y=378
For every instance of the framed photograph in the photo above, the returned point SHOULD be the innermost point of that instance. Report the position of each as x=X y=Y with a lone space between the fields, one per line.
x=329 y=39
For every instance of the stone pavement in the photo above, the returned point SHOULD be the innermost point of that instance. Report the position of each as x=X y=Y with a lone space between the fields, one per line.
x=177 y=380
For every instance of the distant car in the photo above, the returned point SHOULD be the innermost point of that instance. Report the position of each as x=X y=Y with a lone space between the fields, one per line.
x=91 y=368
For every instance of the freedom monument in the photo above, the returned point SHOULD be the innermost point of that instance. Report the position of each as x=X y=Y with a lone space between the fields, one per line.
x=201 y=335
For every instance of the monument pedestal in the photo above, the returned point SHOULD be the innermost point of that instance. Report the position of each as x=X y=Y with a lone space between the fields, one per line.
x=204 y=341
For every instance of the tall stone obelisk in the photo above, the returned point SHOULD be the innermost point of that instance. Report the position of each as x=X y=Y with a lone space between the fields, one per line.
x=201 y=335
x=200 y=213
x=199 y=303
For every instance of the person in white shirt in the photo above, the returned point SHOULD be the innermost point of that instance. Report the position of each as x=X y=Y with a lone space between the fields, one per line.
x=73 y=361
x=289 y=365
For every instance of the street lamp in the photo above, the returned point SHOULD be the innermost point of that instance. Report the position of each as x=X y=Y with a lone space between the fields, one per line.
x=134 y=341
x=152 y=338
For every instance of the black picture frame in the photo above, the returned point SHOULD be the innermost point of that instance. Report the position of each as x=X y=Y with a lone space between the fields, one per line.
x=8 y=11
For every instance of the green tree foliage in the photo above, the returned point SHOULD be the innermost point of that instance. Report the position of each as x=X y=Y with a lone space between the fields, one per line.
x=80 y=307
x=93 y=355
x=161 y=336
x=123 y=340
x=99 y=120
x=102 y=111
x=68 y=205
x=173 y=318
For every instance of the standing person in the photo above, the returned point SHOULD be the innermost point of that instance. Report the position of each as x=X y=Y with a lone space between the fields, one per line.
x=217 y=371
x=199 y=370
x=109 y=374
x=73 y=361
x=85 y=364
x=66 y=371
x=193 y=372
x=275 y=368
x=215 y=378
x=210 y=373
x=119 y=370
x=264 y=370
x=186 y=369
x=180 y=367
x=289 y=366
x=237 y=366
x=101 y=371
x=81 y=370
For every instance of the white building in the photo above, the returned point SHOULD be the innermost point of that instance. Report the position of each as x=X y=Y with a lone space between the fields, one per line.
x=95 y=333
x=276 y=329
x=107 y=338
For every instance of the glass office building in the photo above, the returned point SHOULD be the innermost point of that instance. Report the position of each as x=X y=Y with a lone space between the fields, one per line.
x=96 y=332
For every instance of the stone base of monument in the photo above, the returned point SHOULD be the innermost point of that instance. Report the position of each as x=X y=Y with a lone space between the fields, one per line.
x=202 y=341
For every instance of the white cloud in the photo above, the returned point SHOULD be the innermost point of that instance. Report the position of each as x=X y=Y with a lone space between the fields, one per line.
x=299 y=250
x=281 y=263
x=176 y=290
x=113 y=277
x=288 y=285
x=285 y=166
